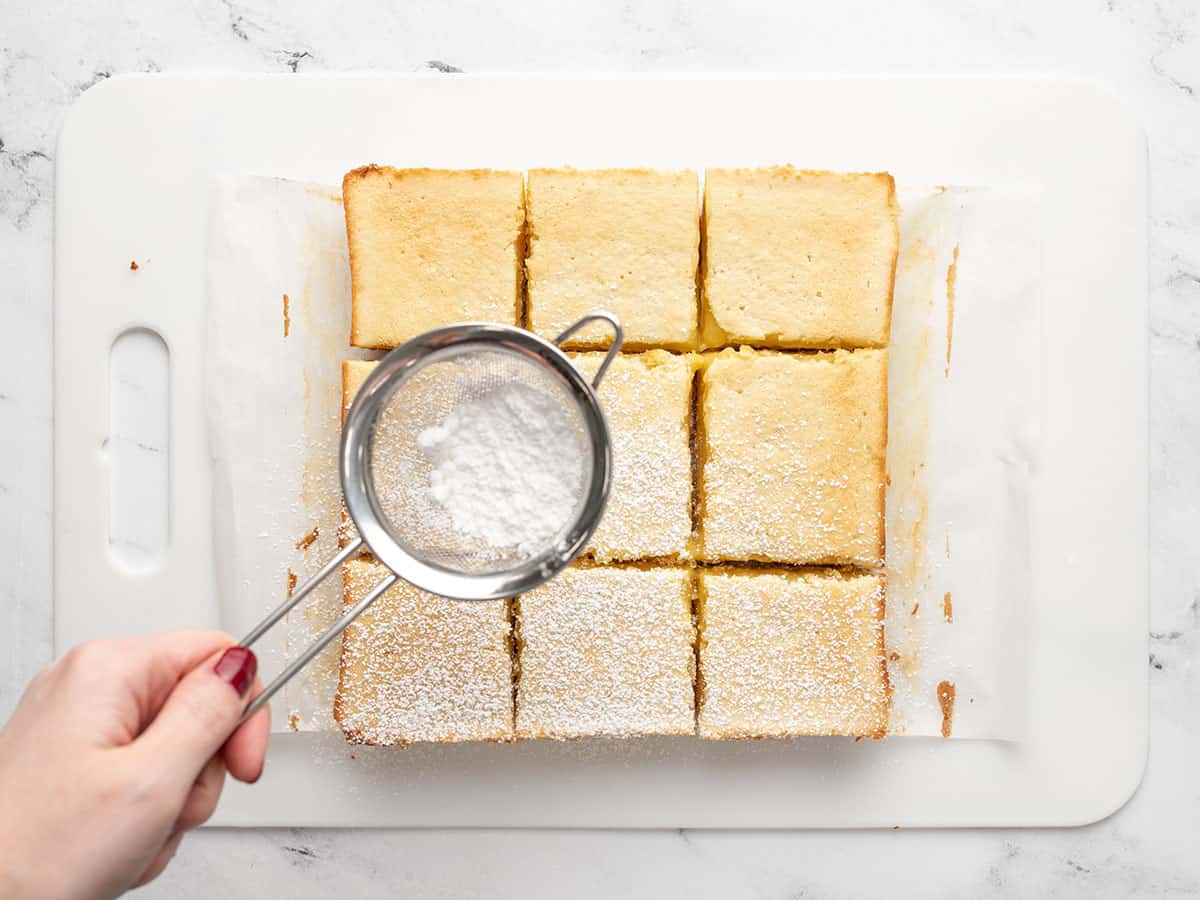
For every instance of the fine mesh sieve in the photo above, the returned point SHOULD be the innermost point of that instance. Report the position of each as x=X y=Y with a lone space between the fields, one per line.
x=487 y=386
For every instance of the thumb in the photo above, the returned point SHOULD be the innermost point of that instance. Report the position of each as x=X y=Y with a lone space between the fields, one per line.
x=200 y=714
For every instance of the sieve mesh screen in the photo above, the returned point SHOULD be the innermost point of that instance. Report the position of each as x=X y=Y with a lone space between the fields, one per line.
x=480 y=460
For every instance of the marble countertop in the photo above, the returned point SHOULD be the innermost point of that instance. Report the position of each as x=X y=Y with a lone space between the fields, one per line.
x=1146 y=52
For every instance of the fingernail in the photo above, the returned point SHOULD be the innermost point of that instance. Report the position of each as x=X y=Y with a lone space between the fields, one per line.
x=237 y=666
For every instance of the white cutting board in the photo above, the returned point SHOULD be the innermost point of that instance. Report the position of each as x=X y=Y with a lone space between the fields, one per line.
x=135 y=162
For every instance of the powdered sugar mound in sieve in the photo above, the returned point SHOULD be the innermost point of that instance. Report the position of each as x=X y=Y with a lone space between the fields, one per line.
x=481 y=461
x=503 y=466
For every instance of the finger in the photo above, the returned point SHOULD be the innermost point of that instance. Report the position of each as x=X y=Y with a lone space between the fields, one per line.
x=165 y=658
x=124 y=682
x=246 y=749
x=181 y=650
x=160 y=860
x=107 y=688
x=202 y=798
x=199 y=715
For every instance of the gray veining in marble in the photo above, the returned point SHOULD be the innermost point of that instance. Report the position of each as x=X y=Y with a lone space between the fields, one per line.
x=1146 y=51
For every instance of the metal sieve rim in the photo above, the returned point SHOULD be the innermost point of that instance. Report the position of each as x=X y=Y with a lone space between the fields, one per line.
x=364 y=507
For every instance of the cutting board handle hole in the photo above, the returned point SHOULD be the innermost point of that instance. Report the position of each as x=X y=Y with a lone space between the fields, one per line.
x=138 y=450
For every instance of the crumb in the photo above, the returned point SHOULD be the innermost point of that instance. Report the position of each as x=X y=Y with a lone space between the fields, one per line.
x=945 y=696
x=291 y=582
x=309 y=539
x=133 y=266
x=951 y=278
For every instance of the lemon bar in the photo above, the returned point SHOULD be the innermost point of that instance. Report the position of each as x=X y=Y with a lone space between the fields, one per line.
x=793 y=457
x=791 y=653
x=646 y=399
x=416 y=667
x=354 y=373
x=798 y=259
x=606 y=651
x=430 y=248
x=626 y=240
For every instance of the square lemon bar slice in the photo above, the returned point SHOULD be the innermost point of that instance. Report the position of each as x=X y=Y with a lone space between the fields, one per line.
x=627 y=240
x=791 y=653
x=430 y=248
x=416 y=667
x=606 y=651
x=798 y=259
x=646 y=399
x=793 y=457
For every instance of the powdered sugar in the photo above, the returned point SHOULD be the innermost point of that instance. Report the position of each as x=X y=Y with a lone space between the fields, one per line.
x=507 y=466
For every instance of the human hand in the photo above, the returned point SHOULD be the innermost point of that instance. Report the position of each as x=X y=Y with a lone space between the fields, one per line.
x=114 y=752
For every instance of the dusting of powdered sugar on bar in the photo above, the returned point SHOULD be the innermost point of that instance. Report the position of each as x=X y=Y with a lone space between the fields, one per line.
x=606 y=651
x=416 y=667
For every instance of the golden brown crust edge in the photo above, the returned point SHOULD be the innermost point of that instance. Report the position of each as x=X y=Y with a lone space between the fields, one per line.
x=522 y=250
x=894 y=208
x=400 y=174
x=352 y=735
x=881 y=616
x=883 y=475
x=348 y=183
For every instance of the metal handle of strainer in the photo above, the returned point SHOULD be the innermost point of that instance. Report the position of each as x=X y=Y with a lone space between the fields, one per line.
x=612 y=321
x=352 y=549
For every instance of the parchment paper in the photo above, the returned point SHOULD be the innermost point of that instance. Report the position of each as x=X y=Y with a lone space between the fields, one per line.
x=273 y=378
x=962 y=413
x=962 y=439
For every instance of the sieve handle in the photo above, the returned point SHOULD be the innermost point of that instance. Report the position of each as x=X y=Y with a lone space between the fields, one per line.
x=599 y=315
x=326 y=637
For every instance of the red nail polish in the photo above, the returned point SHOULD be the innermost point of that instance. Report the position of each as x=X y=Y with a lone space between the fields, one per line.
x=237 y=666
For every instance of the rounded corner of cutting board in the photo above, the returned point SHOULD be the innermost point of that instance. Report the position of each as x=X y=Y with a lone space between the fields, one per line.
x=1098 y=804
